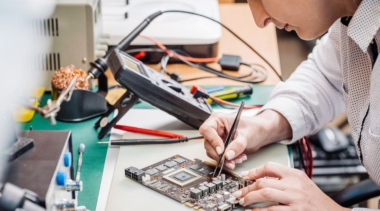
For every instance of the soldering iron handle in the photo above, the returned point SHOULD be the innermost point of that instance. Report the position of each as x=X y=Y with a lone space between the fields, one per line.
x=100 y=65
x=128 y=39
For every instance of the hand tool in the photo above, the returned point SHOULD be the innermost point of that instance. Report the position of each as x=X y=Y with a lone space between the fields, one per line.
x=229 y=138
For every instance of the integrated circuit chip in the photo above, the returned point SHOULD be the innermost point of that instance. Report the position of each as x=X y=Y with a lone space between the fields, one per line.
x=180 y=160
x=151 y=171
x=195 y=167
x=161 y=168
x=170 y=164
x=182 y=177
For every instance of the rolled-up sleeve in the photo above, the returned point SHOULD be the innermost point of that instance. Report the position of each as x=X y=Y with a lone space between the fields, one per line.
x=312 y=96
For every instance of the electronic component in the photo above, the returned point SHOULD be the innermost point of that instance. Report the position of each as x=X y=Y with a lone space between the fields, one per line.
x=211 y=186
x=205 y=190
x=223 y=176
x=180 y=160
x=195 y=167
x=230 y=62
x=151 y=171
x=224 y=207
x=226 y=195
x=182 y=177
x=185 y=185
x=218 y=184
x=168 y=95
x=134 y=173
x=161 y=168
x=196 y=194
x=170 y=164
x=219 y=199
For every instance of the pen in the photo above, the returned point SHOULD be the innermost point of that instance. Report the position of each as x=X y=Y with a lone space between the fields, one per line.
x=215 y=89
x=232 y=93
x=148 y=131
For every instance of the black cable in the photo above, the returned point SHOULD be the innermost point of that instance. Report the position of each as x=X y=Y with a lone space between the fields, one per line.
x=233 y=33
x=213 y=71
x=301 y=158
x=165 y=60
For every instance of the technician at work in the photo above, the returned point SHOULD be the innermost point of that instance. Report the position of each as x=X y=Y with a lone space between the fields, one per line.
x=342 y=73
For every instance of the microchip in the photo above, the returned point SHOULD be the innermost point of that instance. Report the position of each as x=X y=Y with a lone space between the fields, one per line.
x=195 y=167
x=161 y=168
x=182 y=176
x=151 y=171
x=179 y=160
x=170 y=164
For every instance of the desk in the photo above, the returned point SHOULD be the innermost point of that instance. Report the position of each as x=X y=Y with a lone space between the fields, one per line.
x=238 y=17
x=129 y=195
x=241 y=21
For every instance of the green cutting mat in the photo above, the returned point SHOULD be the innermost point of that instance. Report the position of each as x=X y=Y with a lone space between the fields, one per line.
x=95 y=154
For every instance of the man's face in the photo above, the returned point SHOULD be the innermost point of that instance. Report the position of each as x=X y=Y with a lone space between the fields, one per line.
x=309 y=18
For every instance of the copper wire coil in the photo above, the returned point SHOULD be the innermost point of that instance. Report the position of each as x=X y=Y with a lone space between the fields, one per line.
x=62 y=78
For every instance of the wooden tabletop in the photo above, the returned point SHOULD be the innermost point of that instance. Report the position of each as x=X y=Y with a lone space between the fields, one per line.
x=238 y=17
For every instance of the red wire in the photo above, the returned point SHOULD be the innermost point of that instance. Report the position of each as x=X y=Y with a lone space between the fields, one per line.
x=190 y=59
x=305 y=155
x=311 y=156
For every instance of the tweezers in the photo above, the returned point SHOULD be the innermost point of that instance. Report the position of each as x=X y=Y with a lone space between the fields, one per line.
x=230 y=136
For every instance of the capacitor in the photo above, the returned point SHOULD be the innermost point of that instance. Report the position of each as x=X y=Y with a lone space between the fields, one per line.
x=223 y=177
x=219 y=199
x=219 y=178
x=226 y=195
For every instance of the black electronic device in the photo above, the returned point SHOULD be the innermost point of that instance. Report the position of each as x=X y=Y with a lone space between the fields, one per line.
x=154 y=88
x=331 y=139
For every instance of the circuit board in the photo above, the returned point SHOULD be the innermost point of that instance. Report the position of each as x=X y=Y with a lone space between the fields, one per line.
x=191 y=183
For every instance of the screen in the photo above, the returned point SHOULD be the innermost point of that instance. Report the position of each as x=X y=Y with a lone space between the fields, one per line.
x=131 y=65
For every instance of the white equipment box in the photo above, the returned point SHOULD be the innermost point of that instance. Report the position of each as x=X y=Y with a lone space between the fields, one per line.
x=120 y=17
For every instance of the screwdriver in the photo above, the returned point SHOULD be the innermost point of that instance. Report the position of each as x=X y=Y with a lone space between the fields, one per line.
x=232 y=93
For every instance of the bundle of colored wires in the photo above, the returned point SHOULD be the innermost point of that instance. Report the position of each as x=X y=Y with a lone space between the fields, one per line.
x=258 y=72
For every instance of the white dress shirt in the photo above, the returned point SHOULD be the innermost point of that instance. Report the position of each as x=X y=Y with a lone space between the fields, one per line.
x=339 y=75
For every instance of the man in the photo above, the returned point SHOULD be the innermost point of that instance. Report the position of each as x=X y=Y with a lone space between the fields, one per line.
x=341 y=74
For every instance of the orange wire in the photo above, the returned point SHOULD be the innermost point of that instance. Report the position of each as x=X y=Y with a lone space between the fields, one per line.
x=190 y=59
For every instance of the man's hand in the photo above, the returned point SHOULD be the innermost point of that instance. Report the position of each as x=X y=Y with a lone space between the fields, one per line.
x=252 y=133
x=290 y=188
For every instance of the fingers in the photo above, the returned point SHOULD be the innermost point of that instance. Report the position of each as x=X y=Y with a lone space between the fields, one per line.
x=260 y=184
x=271 y=208
x=240 y=159
x=230 y=165
x=265 y=195
x=270 y=169
x=210 y=151
x=236 y=147
x=212 y=129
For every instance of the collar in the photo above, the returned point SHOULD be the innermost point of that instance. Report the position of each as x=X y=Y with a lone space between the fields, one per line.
x=365 y=23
